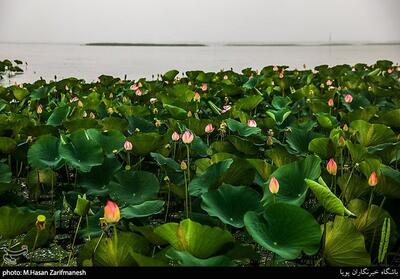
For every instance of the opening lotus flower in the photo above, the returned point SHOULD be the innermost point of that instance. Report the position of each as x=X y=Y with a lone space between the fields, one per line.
x=136 y=86
x=251 y=123
x=138 y=92
x=204 y=87
x=128 y=145
x=331 y=167
x=373 y=179
x=348 y=98
x=273 y=185
x=209 y=128
x=175 y=136
x=111 y=212
x=187 y=137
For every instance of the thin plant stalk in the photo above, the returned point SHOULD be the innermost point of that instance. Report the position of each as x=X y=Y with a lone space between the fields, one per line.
x=186 y=196
x=188 y=175
x=34 y=245
x=369 y=205
x=375 y=230
x=73 y=242
x=97 y=245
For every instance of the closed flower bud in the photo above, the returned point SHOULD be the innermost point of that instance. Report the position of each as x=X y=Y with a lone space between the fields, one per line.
x=273 y=185
x=345 y=127
x=189 y=114
x=348 y=98
x=153 y=101
x=209 y=129
x=111 y=212
x=39 y=109
x=330 y=102
x=82 y=205
x=187 y=137
x=373 y=179
x=270 y=141
x=329 y=82
x=175 y=136
x=204 y=87
x=341 y=141
x=183 y=165
x=331 y=167
x=128 y=145
x=251 y=123
x=196 y=97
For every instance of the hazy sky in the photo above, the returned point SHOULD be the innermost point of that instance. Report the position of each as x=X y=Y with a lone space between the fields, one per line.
x=201 y=21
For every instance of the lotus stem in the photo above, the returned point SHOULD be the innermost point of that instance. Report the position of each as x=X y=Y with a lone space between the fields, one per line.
x=186 y=196
x=129 y=159
x=34 y=245
x=347 y=183
x=341 y=162
x=375 y=230
x=369 y=205
x=73 y=242
x=188 y=177
x=87 y=224
x=97 y=245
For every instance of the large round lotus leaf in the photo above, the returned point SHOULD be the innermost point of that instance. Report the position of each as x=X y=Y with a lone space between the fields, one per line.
x=144 y=143
x=326 y=198
x=372 y=134
x=148 y=232
x=389 y=182
x=279 y=156
x=243 y=145
x=241 y=172
x=58 y=116
x=134 y=187
x=210 y=179
x=143 y=210
x=114 y=123
x=79 y=151
x=142 y=260
x=176 y=112
x=323 y=147
x=44 y=153
x=292 y=187
x=344 y=245
x=361 y=114
x=170 y=75
x=7 y=145
x=19 y=93
x=262 y=167
x=356 y=186
x=113 y=251
x=81 y=123
x=325 y=120
x=111 y=141
x=186 y=259
x=230 y=203
x=40 y=130
x=164 y=161
x=390 y=118
x=300 y=137
x=15 y=221
x=241 y=128
x=5 y=173
x=376 y=216
x=285 y=229
x=248 y=103
x=199 y=240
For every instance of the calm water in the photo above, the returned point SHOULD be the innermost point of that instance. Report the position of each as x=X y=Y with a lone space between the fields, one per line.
x=89 y=62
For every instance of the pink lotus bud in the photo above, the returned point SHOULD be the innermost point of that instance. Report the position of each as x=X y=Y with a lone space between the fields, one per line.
x=128 y=145
x=138 y=92
x=74 y=99
x=330 y=102
x=331 y=167
x=348 y=98
x=209 y=129
x=273 y=185
x=204 y=87
x=225 y=77
x=153 y=101
x=187 y=137
x=373 y=179
x=251 y=123
x=225 y=108
x=175 y=136
x=275 y=68
x=329 y=82
x=111 y=212
x=134 y=87
x=196 y=97
x=39 y=109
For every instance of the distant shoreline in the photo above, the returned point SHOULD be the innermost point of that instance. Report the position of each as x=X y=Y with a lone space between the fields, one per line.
x=145 y=44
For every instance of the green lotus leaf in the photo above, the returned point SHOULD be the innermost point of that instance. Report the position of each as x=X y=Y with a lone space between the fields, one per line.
x=325 y=120
x=111 y=141
x=199 y=147
x=344 y=245
x=114 y=251
x=81 y=123
x=323 y=147
x=170 y=75
x=230 y=203
x=142 y=260
x=241 y=128
x=284 y=229
x=148 y=233
x=241 y=172
x=40 y=180
x=80 y=151
x=280 y=156
x=115 y=123
x=357 y=151
x=20 y=93
x=15 y=221
x=163 y=161
x=300 y=137
x=210 y=179
x=145 y=209
x=44 y=153
x=7 y=145
x=248 y=103
x=262 y=167
x=242 y=145
x=390 y=118
x=200 y=241
x=134 y=187
x=372 y=134
x=362 y=114
x=389 y=182
x=42 y=92
x=326 y=198
x=144 y=143
x=96 y=181
x=181 y=92
x=186 y=259
x=176 y=112
x=292 y=187
x=58 y=116
x=5 y=173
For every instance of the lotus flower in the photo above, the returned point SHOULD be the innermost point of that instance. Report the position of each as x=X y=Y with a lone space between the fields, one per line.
x=175 y=136
x=128 y=145
x=330 y=102
x=187 y=137
x=329 y=82
x=273 y=185
x=373 y=179
x=74 y=99
x=225 y=108
x=226 y=77
x=136 y=86
x=196 y=97
x=209 y=128
x=275 y=68
x=204 y=87
x=348 y=98
x=39 y=109
x=331 y=167
x=138 y=92
x=111 y=212
x=251 y=123
x=153 y=101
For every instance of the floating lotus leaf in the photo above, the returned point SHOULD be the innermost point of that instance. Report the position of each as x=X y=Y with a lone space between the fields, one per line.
x=241 y=128
x=372 y=134
x=186 y=259
x=15 y=221
x=44 y=153
x=145 y=209
x=58 y=116
x=111 y=141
